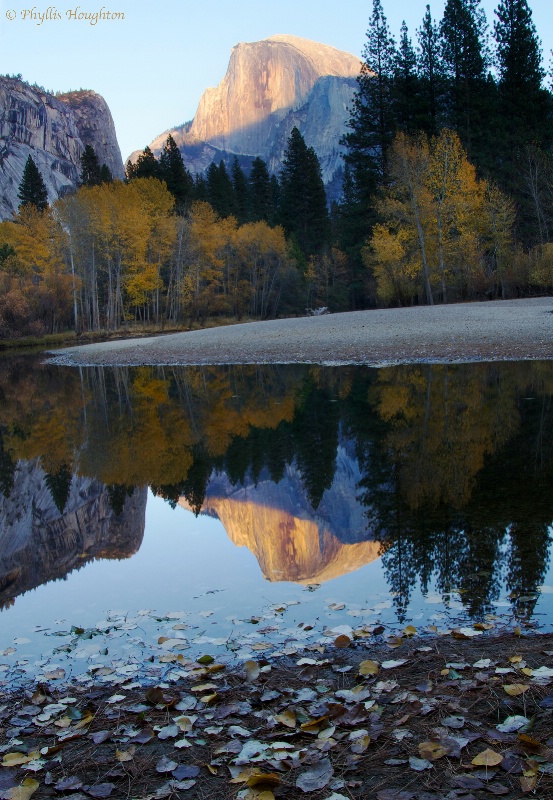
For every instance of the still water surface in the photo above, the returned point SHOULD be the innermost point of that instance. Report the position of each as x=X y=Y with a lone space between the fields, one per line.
x=152 y=512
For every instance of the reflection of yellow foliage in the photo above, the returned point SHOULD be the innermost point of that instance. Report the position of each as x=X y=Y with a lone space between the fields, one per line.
x=445 y=421
x=141 y=426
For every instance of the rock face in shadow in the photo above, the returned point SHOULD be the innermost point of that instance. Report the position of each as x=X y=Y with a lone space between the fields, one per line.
x=291 y=540
x=270 y=87
x=39 y=544
x=54 y=131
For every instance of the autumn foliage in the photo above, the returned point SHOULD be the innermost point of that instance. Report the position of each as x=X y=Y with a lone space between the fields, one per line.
x=117 y=252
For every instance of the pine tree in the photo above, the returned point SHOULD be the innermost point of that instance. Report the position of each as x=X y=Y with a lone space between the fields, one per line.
x=146 y=166
x=172 y=170
x=105 y=174
x=241 y=193
x=406 y=85
x=431 y=74
x=219 y=190
x=32 y=188
x=463 y=37
x=372 y=123
x=261 y=192
x=525 y=106
x=199 y=189
x=90 y=168
x=303 y=205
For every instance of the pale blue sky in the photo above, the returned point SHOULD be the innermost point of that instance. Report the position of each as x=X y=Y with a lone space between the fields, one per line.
x=153 y=66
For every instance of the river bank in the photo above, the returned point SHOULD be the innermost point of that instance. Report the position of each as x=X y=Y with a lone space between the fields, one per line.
x=490 y=331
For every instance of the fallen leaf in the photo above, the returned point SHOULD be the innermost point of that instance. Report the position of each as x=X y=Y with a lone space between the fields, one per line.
x=169 y=732
x=287 y=718
x=100 y=790
x=158 y=697
x=487 y=758
x=512 y=724
x=316 y=778
x=432 y=751
x=514 y=689
x=263 y=779
x=342 y=641
x=16 y=759
x=393 y=664
x=419 y=764
x=125 y=755
x=165 y=765
x=252 y=669
x=368 y=668
x=528 y=784
x=66 y=784
x=497 y=788
x=453 y=722
x=360 y=741
x=22 y=792
x=186 y=771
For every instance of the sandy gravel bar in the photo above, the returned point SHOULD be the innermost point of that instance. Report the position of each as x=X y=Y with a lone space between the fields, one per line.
x=499 y=330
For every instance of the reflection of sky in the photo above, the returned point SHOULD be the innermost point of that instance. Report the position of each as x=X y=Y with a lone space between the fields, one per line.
x=183 y=565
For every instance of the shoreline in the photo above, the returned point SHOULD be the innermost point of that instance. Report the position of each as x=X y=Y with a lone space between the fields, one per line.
x=503 y=330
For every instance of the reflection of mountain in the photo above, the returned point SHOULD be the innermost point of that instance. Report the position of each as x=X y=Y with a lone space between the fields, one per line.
x=290 y=540
x=39 y=544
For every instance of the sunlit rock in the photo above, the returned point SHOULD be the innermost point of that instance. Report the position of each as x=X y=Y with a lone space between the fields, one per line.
x=270 y=87
x=291 y=540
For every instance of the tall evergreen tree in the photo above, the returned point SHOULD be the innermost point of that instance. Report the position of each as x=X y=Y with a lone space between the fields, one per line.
x=199 y=190
x=90 y=167
x=430 y=73
x=525 y=103
x=406 y=85
x=32 y=188
x=241 y=193
x=146 y=166
x=463 y=37
x=372 y=123
x=303 y=204
x=219 y=189
x=525 y=106
x=105 y=174
x=371 y=128
x=261 y=192
x=173 y=171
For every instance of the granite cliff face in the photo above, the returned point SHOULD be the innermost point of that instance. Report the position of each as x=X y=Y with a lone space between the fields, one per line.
x=54 y=131
x=291 y=540
x=39 y=544
x=270 y=87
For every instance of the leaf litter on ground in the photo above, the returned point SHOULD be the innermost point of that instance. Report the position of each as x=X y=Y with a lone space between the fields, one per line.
x=438 y=725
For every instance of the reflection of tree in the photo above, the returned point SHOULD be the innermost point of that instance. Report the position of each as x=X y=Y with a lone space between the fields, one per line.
x=118 y=494
x=315 y=432
x=7 y=468
x=59 y=484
